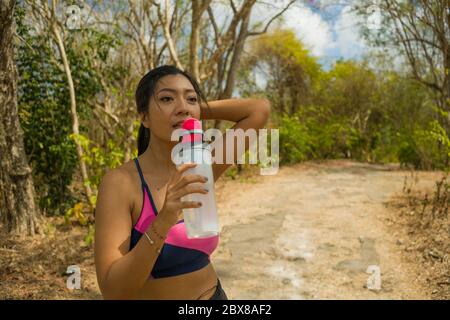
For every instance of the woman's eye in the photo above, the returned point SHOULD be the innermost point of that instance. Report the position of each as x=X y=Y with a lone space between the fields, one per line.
x=167 y=99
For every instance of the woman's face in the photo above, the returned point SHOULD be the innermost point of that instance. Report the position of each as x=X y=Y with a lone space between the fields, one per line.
x=177 y=101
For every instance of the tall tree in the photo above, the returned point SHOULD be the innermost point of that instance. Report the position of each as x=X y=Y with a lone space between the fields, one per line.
x=420 y=29
x=18 y=211
x=224 y=61
x=49 y=19
x=291 y=70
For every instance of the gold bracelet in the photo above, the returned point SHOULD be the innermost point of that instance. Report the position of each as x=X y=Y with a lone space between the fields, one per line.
x=152 y=242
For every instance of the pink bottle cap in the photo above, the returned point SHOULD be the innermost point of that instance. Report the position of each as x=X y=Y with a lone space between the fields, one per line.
x=194 y=133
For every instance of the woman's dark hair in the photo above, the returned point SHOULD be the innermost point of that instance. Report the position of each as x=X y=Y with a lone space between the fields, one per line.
x=145 y=91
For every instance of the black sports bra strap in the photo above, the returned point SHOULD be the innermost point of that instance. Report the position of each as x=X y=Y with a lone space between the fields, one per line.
x=136 y=161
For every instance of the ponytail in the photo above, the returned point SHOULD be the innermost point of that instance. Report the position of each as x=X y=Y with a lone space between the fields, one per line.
x=143 y=139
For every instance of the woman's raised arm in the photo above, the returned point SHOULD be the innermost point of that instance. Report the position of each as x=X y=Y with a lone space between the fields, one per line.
x=247 y=113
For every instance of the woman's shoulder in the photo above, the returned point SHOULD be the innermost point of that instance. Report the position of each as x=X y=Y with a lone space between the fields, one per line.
x=119 y=185
x=121 y=177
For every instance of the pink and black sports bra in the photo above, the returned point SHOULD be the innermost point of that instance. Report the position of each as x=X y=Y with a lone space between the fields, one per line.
x=179 y=254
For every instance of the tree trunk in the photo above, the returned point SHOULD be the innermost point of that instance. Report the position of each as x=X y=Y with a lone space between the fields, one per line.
x=234 y=65
x=193 y=43
x=198 y=8
x=235 y=61
x=18 y=211
x=73 y=111
x=167 y=34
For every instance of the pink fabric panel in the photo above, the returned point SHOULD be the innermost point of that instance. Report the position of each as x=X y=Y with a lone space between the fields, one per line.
x=177 y=237
x=147 y=215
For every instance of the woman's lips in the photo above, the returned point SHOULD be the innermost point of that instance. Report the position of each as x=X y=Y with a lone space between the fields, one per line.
x=179 y=123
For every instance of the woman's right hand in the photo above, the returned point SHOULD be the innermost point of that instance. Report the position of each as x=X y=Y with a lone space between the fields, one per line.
x=178 y=187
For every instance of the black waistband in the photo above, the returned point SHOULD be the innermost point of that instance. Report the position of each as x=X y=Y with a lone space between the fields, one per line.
x=219 y=294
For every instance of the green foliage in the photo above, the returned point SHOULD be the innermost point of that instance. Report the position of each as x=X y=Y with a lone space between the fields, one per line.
x=88 y=52
x=295 y=142
x=89 y=238
x=231 y=172
x=408 y=153
x=77 y=212
x=312 y=133
x=284 y=45
x=45 y=119
x=44 y=106
x=99 y=159
x=292 y=71
x=427 y=148
x=369 y=116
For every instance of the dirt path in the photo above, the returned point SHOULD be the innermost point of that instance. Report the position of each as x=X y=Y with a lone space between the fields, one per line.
x=311 y=231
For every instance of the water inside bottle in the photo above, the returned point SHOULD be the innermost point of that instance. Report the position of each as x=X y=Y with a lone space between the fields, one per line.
x=201 y=222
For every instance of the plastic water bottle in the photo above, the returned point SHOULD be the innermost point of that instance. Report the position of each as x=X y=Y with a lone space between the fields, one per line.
x=200 y=222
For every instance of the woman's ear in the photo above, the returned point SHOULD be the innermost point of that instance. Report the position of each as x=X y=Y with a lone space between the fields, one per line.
x=144 y=120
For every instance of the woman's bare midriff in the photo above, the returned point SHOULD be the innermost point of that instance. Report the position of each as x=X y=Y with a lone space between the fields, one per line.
x=200 y=284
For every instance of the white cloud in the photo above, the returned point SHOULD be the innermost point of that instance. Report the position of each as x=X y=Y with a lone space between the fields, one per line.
x=309 y=26
x=311 y=29
x=329 y=32
x=348 y=39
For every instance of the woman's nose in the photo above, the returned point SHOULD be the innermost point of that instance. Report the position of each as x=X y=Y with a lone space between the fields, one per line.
x=183 y=107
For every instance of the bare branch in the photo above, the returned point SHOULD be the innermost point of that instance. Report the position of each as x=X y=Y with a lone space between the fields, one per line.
x=233 y=7
x=255 y=33
x=216 y=29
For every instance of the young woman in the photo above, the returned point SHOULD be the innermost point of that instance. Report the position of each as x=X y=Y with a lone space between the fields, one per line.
x=141 y=248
